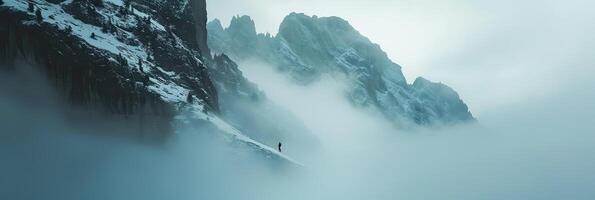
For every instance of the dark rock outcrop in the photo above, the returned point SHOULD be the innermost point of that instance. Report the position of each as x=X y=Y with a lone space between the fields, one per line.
x=114 y=59
x=144 y=64
x=85 y=76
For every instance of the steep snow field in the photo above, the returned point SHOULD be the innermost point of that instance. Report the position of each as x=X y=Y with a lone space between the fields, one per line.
x=168 y=90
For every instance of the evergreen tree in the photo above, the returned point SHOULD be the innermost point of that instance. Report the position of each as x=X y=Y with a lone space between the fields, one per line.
x=68 y=29
x=104 y=28
x=97 y=2
x=38 y=15
x=127 y=4
x=122 y=60
x=149 y=58
x=122 y=10
x=1 y=2
x=108 y=27
x=126 y=7
x=31 y=7
x=140 y=65
x=189 y=98
x=170 y=32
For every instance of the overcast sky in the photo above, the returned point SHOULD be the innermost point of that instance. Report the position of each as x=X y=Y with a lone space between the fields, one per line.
x=494 y=53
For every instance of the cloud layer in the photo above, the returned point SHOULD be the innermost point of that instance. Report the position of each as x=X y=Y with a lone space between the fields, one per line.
x=495 y=54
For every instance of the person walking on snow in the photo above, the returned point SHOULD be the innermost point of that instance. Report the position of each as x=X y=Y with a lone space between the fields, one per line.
x=279 y=146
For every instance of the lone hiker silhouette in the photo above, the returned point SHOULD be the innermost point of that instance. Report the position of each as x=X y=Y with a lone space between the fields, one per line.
x=279 y=146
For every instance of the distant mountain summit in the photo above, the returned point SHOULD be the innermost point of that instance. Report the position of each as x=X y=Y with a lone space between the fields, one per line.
x=307 y=47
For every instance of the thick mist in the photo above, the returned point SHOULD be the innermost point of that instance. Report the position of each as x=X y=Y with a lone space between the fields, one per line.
x=45 y=154
x=541 y=150
x=495 y=54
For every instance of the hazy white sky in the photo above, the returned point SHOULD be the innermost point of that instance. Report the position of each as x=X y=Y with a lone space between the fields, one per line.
x=494 y=53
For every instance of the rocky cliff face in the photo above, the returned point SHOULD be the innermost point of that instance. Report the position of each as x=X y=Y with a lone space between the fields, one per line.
x=145 y=60
x=241 y=33
x=126 y=38
x=186 y=18
x=308 y=47
x=85 y=75
x=200 y=16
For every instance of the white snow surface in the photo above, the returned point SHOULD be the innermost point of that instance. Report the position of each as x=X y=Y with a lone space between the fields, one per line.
x=229 y=129
x=168 y=90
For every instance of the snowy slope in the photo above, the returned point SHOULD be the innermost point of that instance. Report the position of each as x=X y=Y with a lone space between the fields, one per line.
x=233 y=133
x=172 y=84
x=54 y=14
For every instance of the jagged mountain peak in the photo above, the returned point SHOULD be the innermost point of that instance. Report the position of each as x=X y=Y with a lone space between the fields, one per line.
x=446 y=101
x=307 y=47
x=244 y=21
x=215 y=25
x=333 y=21
x=323 y=39
x=242 y=29
x=421 y=83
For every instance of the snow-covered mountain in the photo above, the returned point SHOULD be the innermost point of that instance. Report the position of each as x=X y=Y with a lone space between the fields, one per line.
x=144 y=61
x=152 y=65
x=308 y=47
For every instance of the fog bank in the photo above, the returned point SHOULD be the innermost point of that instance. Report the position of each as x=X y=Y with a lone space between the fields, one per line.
x=540 y=150
x=47 y=155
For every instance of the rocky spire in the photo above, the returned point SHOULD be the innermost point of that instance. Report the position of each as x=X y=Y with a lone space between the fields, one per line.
x=199 y=16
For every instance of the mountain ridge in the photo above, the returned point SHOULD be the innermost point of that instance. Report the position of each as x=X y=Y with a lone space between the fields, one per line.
x=307 y=47
x=141 y=62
